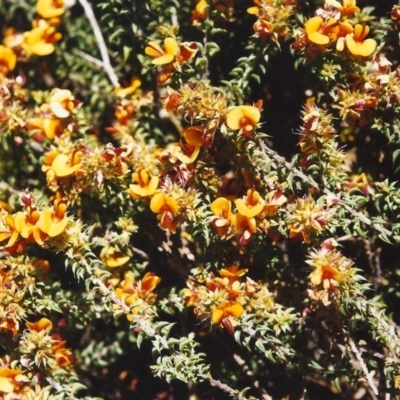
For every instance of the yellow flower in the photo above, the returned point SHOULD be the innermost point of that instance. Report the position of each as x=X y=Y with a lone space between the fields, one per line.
x=253 y=10
x=222 y=209
x=126 y=91
x=62 y=102
x=247 y=225
x=186 y=153
x=200 y=13
x=8 y=60
x=397 y=382
x=167 y=208
x=39 y=40
x=26 y=225
x=163 y=56
x=348 y=8
x=251 y=206
x=243 y=118
x=50 y=8
x=322 y=32
x=50 y=127
x=11 y=379
x=64 y=165
x=53 y=221
x=357 y=45
x=145 y=186
x=113 y=258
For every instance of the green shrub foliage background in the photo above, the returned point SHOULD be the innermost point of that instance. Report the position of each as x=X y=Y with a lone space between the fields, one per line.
x=199 y=199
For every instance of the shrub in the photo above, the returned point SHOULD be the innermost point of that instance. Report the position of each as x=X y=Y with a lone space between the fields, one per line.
x=199 y=199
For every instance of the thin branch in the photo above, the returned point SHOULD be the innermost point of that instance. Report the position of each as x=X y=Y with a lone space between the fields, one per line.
x=315 y=185
x=226 y=388
x=90 y=58
x=245 y=368
x=100 y=42
x=364 y=367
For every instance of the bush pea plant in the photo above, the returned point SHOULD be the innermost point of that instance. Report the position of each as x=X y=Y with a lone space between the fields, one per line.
x=199 y=199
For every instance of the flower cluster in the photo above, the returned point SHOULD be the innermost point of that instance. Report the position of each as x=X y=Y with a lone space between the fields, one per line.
x=333 y=276
x=173 y=56
x=39 y=41
x=273 y=18
x=43 y=349
x=33 y=224
x=332 y=26
x=254 y=213
x=158 y=175
x=53 y=117
x=377 y=89
x=139 y=295
x=318 y=142
x=307 y=218
x=222 y=300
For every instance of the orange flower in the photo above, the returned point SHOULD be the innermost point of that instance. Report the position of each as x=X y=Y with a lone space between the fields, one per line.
x=126 y=290
x=226 y=310
x=357 y=45
x=173 y=100
x=244 y=224
x=137 y=294
x=50 y=8
x=148 y=283
x=191 y=298
x=62 y=355
x=167 y=208
x=232 y=272
x=187 y=51
x=329 y=276
x=145 y=186
x=275 y=199
x=163 y=56
x=244 y=119
x=43 y=324
x=113 y=258
x=193 y=138
x=8 y=60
